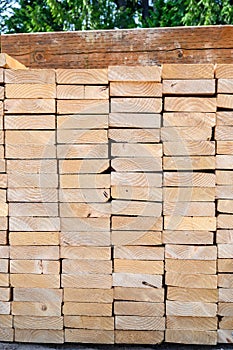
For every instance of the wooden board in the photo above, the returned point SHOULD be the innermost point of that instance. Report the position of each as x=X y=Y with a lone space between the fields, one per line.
x=190 y=104
x=187 y=87
x=134 y=73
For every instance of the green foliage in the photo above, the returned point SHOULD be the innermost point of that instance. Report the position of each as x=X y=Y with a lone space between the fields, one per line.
x=66 y=15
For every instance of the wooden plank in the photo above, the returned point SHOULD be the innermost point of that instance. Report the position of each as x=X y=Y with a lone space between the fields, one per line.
x=30 y=137
x=189 y=194
x=225 y=336
x=28 y=308
x=138 y=266
x=32 y=76
x=89 y=166
x=85 y=238
x=191 y=337
x=225 y=295
x=38 y=294
x=136 y=223
x=192 y=323
x=225 y=281
x=3 y=237
x=3 y=223
x=136 y=280
x=82 y=136
x=7 y=61
x=134 y=135
x=6 y=321
x=85 y=224
x=30 y=151
x=82 y=106
x=88 y=295
x=225 y=147
x=223 y=133
x=177 y=133
x=224 y=192
x=225 y=86
x=224 y=71
x=82 y=76
x=188 y=87
x=225 y=221
x=85 y=181
x=191 y=266
x=136 y=238
x=30 y=91
x=100 y=92
x=5 y=307
x=82 y=151
x=147 y=150
x=224 y=236
x=225 y=309
x=34 y=252
x=21 y=280
x=189 y=148
x=34 y=238
x=224 y=118
x=138 y=208
x=190 y=223
x=87 y=309
x=190 y=252
x=155 y=295
x=32 y=180
x=122 y=47
x=136 y=164
x=145 y=323
x=39 y=336
x=33 y=209
x=35 y=267
x=226 y=322
x=34 y=224
x=89 y=322
x=225 y=206
x=143 y=309
x=38 y=322
x=190 y=104
x=188 y=71
x=224 y=177
x=6 y=334
x=225 y=101
x=80 y=121
x=189 y=209
x=137 y=193
x=191 y=280
x=70 y=92
x=32 y=194
x=90 y=336
x=138 y=337
x=187 y=237
x=4 y=252
x=192 y=309
x=139 y=253
x=89 y=253
x=225 y=265
x=32 y=166
x=4 y=280
x=135 y=179
x=78 y=266
x=4 y=265
x=86 y=195
x=147 y=73
x=193 y=294
x=130 y=120
x=224 y=161
x=136 y=105
x=136 y=88
x=22 y=106
x=225 y=251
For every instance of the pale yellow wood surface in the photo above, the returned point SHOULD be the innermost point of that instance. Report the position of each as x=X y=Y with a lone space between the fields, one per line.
x=191 y=280
x=79 y=266
x=191 y=337
x=91 y=238
x=124 y=88
x=93 y=253
x=90 y=336
x=136 y=105
x=189 y=148
x=34 y=238
x=187 y=71
x=29 y=308
x=39 y=336
x=85 y=224
x=29 y=91
x=88 y=295
x=191 y=266
x=145 y=323
x=224 y=118
x=25 y=122
x=90 y=322
x=82 y=121
x=85 y=181
x=132 y=120
x=137 y=280
x=188 y=294
x=187 y=237
x=46 y=267
x=189 y=87
x=189 y=163
x=34 y=281
x=87 y=309
x=82 y=136
x=121 y=238
x=51 y=295
x=82 y=76
x=88 y=166
x=138 y=337
x=136 y=223
x=176 y=308
x=127 y=73
x=134 y=135
x=225 y=101
x=30 y=76
x=84 y=195
x=82 y=106
x=191 y=104
x=192 y=223
x=190 y=252
x=139 y=253
x=189 y=194
x=138 y=266
x=22 y=106
x=38 y=322
x=138 y=208
x=191 y=323
x=225 y=336
x=82 y=151
x=155 y=295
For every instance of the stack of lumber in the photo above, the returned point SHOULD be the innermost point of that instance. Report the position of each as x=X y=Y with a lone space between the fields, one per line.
x=136 y=191
x=82 y=137
x=6 y=330
x=224 y=194
x=189 y=203
x=32 y=193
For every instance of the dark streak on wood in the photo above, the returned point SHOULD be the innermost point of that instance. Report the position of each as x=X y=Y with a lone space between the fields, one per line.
x=99 y=49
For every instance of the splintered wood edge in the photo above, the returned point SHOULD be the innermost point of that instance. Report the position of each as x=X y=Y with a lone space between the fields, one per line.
x=9 y=62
